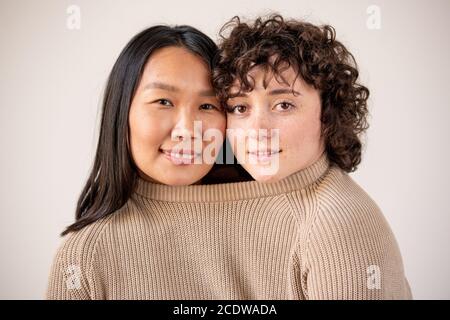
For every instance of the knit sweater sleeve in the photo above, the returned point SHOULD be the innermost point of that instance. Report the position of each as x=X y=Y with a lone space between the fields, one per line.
x=72 y=276
x=351 y=252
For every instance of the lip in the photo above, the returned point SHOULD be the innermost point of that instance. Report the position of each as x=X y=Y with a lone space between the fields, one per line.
x=264 y=152
x=263 y=156
x=180 y=157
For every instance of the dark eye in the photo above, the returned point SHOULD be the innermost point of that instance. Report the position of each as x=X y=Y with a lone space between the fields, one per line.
x=239 y=109
x=284 y=106
x=208 y=106
x=164 y=102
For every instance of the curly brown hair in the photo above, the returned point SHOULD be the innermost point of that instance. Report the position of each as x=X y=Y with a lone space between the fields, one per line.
x=320 y=60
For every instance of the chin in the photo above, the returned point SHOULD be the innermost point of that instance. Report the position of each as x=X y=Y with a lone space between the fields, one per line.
x=258 y=174
x=266 y=178
x=183 y=180
x=177 y=181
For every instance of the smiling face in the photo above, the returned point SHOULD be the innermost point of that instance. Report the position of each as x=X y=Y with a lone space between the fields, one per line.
x=173 y=106
x=294 y=108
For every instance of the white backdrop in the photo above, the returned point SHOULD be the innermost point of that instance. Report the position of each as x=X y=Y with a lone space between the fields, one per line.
x=52 y=76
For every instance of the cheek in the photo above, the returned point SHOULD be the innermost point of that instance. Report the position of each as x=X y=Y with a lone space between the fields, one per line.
x=213 y=132
x=236 y=134
x=302 y=132
x=235 y=123
x=147 y=131
x=235 y=130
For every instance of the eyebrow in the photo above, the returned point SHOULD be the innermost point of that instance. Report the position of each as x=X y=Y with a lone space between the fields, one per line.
x=282 y=91
x=168 y=87
x=271 y=92
x=160 y=85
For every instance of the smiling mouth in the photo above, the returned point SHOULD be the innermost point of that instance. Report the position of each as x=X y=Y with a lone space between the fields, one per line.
x=264 y=153
x=263 y=156
x=180 y=157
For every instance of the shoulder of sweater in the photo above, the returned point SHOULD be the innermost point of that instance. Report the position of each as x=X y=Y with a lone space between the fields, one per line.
x=335 y=208
x=80 y=246
x=339 y=193
x=73 y=269
x=345 y=210
x=334 y=191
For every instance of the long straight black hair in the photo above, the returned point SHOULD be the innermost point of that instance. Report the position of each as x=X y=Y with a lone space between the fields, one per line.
x=113 y=175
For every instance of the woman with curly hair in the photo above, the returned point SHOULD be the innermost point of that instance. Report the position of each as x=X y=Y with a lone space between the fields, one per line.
x=296 y=113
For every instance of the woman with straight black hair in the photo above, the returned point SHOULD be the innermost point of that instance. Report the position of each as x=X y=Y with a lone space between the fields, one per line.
x=113 y=175
x=158 y=101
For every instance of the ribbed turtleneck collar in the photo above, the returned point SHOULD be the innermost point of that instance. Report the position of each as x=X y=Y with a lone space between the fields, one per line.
x=235 y=190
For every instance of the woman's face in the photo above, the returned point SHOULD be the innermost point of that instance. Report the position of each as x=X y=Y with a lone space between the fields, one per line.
x=270 y=155
x=174 y=92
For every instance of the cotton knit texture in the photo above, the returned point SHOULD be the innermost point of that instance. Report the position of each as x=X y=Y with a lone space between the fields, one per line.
x=313 y=235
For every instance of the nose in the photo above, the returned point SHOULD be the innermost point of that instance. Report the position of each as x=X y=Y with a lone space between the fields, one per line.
x=186 y=127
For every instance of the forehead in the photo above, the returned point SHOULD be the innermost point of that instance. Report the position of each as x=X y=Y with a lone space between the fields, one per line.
x=177 y=65
x=262 y=77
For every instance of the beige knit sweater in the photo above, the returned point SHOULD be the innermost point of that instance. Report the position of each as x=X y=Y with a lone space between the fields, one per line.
x=313 y=235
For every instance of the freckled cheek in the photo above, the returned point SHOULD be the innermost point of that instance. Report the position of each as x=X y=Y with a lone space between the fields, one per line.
x=291 y=132
x=301 y=137
x=312 y=126
x=290 y=140
x=236 y=129
x=238 y=132
x=233 y=123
